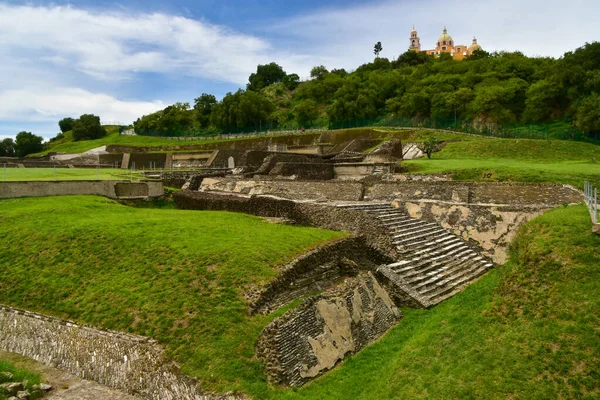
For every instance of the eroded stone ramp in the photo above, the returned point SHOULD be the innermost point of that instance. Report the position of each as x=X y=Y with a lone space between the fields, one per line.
x=433 y=264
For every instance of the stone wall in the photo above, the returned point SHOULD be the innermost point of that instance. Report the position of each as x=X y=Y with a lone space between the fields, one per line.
x=316 y=270
x=111 y=189
x=492 y=228
x=312 y=171
x=289 y=189
x=478 y=192
x=131 y=363
x=272 y=159
x=324 y=216
x=311 y=339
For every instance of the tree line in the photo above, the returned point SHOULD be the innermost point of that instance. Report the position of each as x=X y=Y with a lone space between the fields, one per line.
x=499 y=88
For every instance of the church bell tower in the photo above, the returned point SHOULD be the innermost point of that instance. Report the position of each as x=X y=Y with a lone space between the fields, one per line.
x=415 y=41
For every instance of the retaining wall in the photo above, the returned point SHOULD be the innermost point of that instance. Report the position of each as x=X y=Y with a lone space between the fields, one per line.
x=131 y=363
x=314 y=337
x=288 y=189
x=111 y=189
x=514 y=193
x=316 y=270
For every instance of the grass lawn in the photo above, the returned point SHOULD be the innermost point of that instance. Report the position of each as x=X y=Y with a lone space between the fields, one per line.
x=62 y=174
x=174 y=275
x=520 y=160
x=18 y=375
x=527 y=330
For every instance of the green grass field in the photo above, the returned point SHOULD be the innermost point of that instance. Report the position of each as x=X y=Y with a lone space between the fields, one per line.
x=527 y=330
x=62 y=174
x=519 y=160
x=174 y=275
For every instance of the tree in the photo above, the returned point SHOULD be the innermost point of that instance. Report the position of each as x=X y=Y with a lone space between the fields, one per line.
x=66 y=124
x=318 y=72
x=7 y=148
x=265 y=75
x=429 y=145
x=478 y=54
x=245 y=110
x=28 y=143
x=291 y=81
x=378 y=48
x=588 y=114
x=203 y=106
x=306 y=112
x=87 y=127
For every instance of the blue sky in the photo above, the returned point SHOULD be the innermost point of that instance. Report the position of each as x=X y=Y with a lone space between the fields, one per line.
x=123 y=59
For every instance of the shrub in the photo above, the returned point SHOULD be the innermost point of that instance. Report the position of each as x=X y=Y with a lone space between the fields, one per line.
x=88 y=127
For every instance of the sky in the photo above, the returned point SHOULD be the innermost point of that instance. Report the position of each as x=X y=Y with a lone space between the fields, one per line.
x=124 y=59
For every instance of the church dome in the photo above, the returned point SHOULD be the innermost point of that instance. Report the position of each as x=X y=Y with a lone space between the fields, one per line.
x=474 y=46
x=445 y=37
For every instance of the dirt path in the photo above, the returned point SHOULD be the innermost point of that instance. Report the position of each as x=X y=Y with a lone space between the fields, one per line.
x=66 y=386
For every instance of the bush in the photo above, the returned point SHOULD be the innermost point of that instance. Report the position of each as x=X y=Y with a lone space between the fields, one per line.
x=66 y=124
x=28 y=143
x=88 y=127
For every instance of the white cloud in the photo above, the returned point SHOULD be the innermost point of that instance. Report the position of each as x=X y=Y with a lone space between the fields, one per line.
x=52 y=104
x=116 y=44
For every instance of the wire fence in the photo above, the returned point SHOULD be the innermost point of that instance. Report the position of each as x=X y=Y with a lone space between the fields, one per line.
x=565 y=130
x=590 y=194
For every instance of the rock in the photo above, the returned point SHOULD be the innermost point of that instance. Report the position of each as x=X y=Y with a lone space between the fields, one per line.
x=45 y=387
x=12 y=387
x=12 y=398
x=6 y=375
x=23 y=395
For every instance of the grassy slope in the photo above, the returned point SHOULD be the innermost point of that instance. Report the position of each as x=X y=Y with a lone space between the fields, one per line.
x=67 y=145
x=528 y=330
x=515 y=160
x=62 y=174
x=174 y=275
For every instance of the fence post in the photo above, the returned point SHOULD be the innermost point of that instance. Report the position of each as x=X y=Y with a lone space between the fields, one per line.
x=596 y=205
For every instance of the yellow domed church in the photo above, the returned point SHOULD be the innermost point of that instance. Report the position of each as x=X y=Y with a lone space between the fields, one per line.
x=445 y=44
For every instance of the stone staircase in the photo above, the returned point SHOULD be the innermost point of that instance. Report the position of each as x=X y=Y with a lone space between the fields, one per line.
x=433 y=263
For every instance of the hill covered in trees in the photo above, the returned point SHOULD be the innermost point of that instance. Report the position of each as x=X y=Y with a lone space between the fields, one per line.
x=494 y=89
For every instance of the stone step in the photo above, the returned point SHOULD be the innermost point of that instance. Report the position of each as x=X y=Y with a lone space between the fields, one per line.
x=419 y=240
x=402 y=231
x=420 y=262
x=446 y=292
x=465 y=275
x=416 y=231
x=391 y=214
x=444 y=274
x=433 y=266
x=398 y=219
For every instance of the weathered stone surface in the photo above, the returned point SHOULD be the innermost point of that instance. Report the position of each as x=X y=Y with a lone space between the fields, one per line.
x=309 y=340
x=512 y=193
x=316 y=270
x=6 y=375
x=24 y=395
x=132 y=363
x=491 y=227
x=293 y=190
x=12 y=387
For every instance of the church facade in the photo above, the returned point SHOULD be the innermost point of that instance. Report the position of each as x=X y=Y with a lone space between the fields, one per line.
x=445 y=44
